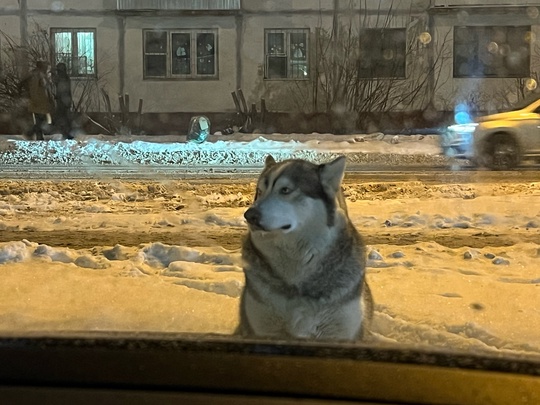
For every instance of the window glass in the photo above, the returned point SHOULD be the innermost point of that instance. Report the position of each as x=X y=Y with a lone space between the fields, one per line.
x=206 y=54
x=382 y=52
x=276 y=57
x=276 y=43
x=287 y=54
x=75 y=48
x=178 y=55
x=298 y=54
x=133 y=134
x=63 y=48
x=488 y=51
x=181 y=43
x=156 y=42
x=155 y=54
x=85 y=52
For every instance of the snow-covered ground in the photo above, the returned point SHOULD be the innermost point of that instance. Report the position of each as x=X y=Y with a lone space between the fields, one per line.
x=451 y=266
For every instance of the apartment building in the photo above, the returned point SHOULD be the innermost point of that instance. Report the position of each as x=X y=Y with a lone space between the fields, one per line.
x=187 y=56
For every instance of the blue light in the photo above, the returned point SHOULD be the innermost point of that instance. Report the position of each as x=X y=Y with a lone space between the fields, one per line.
x=462 y=115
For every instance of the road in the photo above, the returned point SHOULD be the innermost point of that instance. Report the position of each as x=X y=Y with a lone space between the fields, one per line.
x=69 y=195
x=358 y=173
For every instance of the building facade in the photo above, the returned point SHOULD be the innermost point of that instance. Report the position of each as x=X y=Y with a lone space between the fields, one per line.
x=299 y=55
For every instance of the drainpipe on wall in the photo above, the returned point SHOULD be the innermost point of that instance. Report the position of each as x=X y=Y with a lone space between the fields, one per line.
x=121 y=52
x=23 y=27
x=239 y=42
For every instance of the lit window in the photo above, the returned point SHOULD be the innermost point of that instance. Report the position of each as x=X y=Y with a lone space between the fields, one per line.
x=75 y=48
x=287 y=54
x=180 y=54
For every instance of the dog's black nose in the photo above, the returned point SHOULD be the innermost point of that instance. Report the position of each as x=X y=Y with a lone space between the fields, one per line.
x=253 y=216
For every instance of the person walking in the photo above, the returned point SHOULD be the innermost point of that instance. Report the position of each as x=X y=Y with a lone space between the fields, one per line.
x=40 y=101
x=63 y=100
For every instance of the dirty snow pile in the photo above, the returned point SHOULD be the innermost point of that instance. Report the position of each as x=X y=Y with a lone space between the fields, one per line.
x=233 y=150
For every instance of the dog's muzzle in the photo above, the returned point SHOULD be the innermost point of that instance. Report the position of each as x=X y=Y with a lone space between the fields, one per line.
x=253 y=217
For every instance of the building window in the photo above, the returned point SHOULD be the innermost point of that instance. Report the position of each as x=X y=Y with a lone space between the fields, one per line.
x=382 y=53
x=180 y=54
x=76 y=48
x=492 y=51
x=287 y=54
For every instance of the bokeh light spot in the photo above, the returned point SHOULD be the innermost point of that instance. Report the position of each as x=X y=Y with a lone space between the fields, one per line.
x=531 y=84
x=424 y=38
x=493 y=47
x=57 y=6
x=532 y=12
x=462 y=115
x=388 y=54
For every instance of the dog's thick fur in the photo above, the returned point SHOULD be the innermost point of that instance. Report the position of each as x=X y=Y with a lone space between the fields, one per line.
x=304 y=262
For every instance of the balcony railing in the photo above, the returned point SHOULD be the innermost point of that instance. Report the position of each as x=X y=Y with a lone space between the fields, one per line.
x=178 y=4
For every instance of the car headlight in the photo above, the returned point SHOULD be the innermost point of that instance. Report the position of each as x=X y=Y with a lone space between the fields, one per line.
x=459 y=133
x=458 y=138
x=463 y=128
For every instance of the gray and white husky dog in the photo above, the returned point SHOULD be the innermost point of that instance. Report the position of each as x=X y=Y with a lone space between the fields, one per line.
x=304 y=262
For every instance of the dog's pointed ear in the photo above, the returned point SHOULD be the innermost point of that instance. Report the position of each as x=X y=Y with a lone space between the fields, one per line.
x=332 y=174
x=270 y=161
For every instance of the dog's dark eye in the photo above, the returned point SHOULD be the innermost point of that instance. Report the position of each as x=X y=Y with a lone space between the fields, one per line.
x=285 y=190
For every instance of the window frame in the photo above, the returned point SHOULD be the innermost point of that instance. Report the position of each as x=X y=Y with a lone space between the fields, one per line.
x=286 y=53
x=119 y=368
x=73 y=64
x=193 y=56
x=381 y=64
x=475 y=53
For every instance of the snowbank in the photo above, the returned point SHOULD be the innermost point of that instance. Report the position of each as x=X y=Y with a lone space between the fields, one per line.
x=233 y=150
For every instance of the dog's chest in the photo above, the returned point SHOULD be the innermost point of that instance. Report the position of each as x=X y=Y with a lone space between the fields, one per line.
x=303 y=317
x=294 y=258
x=294 y=265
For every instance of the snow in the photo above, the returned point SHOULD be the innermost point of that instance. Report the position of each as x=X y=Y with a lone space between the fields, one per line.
x=245 y=149
x=451 y=266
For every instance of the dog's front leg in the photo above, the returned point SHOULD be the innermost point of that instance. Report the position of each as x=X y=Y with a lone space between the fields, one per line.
x=340 y=324
x=263 y=319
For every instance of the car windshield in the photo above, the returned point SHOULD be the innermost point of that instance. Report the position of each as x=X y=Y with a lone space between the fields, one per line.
x=133 y=135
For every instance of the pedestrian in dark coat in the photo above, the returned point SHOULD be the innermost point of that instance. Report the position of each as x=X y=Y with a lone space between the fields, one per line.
x=62 y=96
x=40 y=102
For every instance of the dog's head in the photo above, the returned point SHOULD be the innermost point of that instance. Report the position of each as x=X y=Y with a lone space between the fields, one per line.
x=294 y=193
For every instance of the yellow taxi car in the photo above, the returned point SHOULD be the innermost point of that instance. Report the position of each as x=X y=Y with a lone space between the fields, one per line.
x=498 y=141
